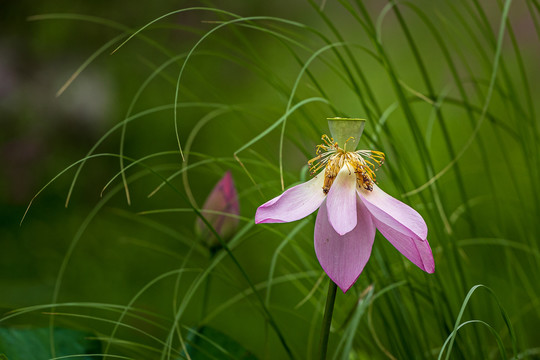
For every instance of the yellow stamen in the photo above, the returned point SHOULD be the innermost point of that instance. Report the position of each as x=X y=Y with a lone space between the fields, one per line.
x=332 y=158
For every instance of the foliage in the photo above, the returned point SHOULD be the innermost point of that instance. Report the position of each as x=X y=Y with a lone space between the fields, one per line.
x=448 y=89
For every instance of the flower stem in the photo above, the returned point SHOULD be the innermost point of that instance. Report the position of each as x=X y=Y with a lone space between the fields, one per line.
x=327 y=319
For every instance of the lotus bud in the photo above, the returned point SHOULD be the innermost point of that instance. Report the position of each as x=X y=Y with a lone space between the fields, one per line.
x=221 y=209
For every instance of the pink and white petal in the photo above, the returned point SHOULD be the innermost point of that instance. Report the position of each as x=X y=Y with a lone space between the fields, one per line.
x=343 y=257
x=294 y=204
x=418 y=252
x=395 y=214
x=341 y=201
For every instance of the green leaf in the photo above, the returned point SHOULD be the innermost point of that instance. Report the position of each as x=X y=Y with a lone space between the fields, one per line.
x=34 y=343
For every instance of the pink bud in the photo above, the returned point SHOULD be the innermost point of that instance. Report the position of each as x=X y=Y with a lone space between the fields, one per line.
x=221 y=209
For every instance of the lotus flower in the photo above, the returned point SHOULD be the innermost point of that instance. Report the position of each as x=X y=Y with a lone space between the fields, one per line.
x=221 y=203
x=351 y=207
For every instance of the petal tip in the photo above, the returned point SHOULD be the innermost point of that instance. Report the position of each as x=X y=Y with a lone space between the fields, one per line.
x=258 y=217
x=429 y=268
x=345 y=288
x=342 y=285
x=343 y=231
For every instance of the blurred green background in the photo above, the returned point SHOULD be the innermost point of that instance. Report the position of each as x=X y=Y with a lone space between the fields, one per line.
x=421 y=72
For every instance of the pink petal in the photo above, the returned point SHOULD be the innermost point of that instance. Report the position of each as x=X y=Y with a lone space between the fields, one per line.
x=413 y=249
x=222 y=198
x=343 y=257
x=341 y=202
x=394 y=213
x=294 y=204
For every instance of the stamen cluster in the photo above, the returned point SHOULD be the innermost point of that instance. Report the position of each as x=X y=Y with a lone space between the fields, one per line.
x=332 y=158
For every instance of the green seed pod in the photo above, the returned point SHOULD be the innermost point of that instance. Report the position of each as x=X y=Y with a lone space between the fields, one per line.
x=346 y=131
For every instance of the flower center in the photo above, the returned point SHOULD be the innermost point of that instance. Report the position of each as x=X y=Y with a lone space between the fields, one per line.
x=332 y=158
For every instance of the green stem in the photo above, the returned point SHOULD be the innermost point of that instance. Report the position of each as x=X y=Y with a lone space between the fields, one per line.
x=327 y=319
x=206 y=296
